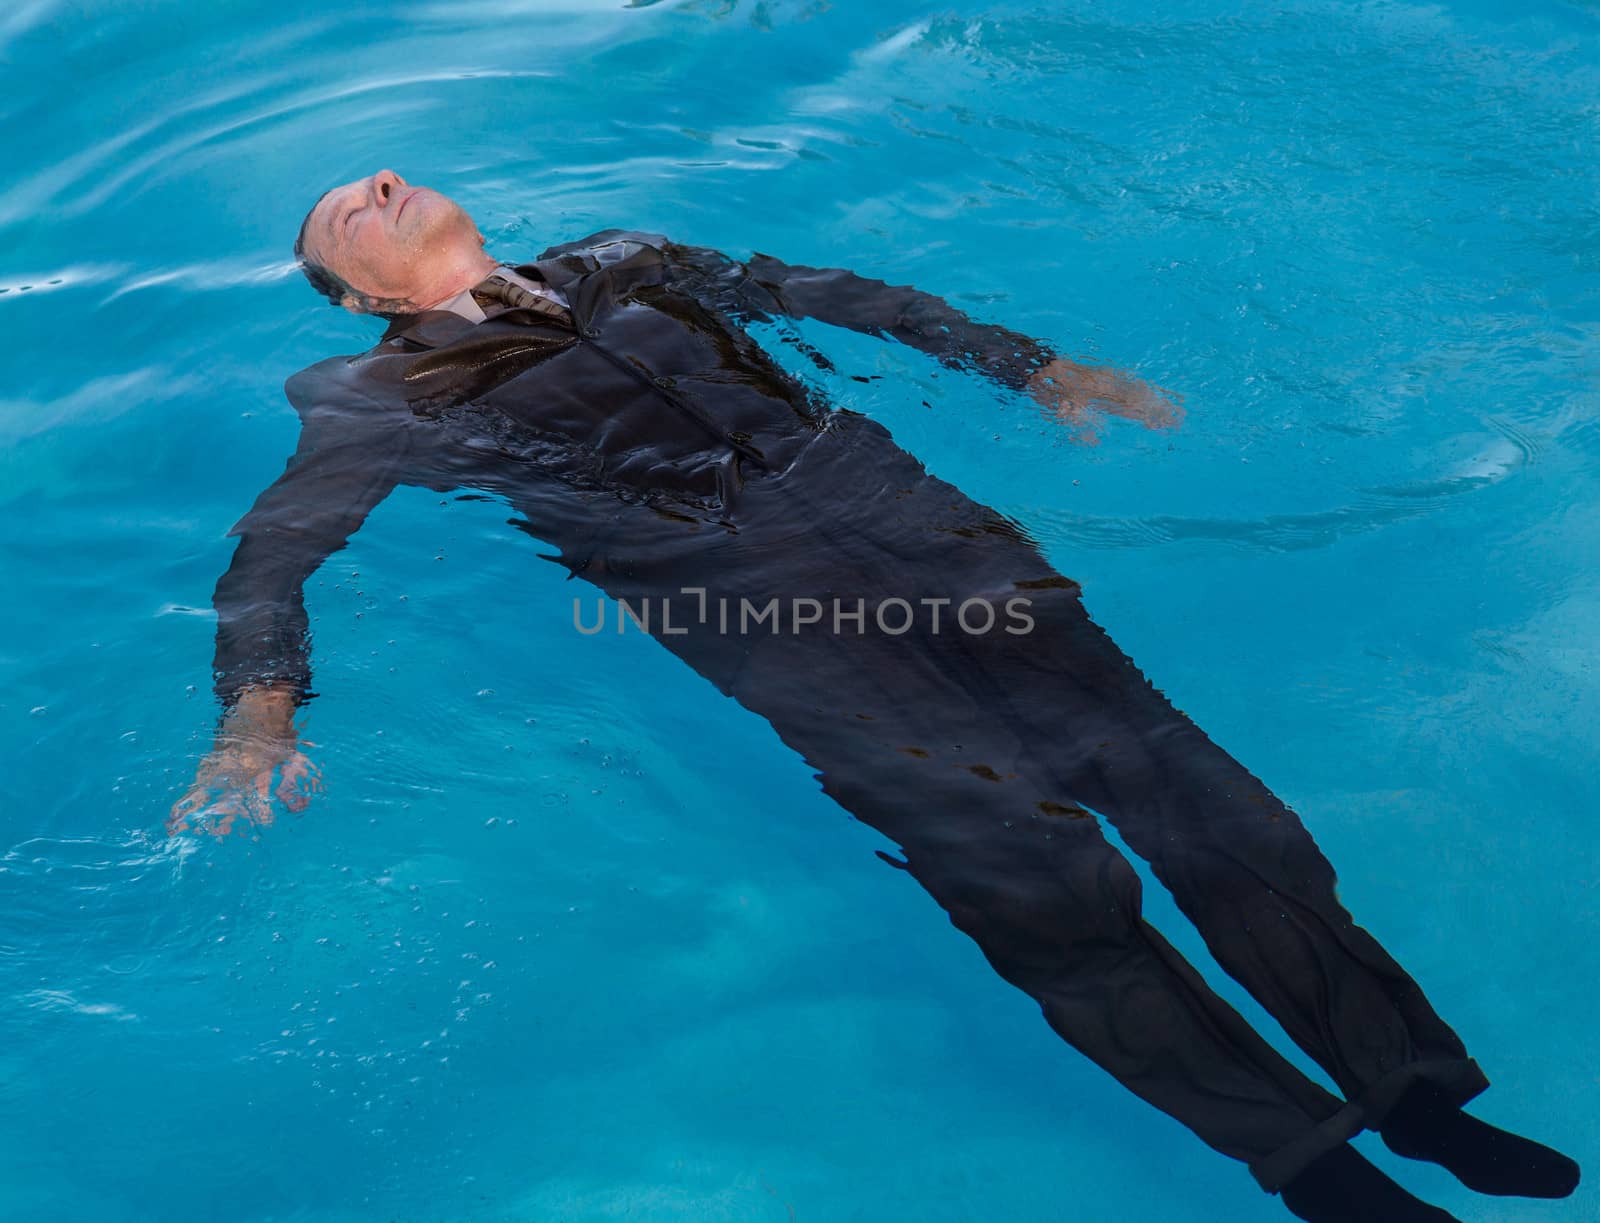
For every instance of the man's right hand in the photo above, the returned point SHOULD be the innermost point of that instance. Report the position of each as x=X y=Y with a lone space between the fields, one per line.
x=235 y=780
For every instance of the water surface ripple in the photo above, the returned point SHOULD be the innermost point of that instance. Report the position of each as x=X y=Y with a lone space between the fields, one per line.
x=540 y=952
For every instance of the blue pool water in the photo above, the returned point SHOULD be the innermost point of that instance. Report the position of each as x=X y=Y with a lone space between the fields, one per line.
x=569 y=936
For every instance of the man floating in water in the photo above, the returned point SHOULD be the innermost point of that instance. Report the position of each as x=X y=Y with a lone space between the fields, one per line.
x=610 y=392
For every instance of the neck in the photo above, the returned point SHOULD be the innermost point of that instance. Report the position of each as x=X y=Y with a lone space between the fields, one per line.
x=471 y=271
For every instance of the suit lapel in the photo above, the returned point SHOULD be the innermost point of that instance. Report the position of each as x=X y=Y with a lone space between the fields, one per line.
x=430 y=329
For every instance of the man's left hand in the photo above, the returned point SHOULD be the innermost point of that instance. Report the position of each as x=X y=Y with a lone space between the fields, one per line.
x=1072 y=391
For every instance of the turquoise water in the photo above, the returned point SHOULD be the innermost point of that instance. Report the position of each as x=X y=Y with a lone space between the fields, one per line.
x=571 y=937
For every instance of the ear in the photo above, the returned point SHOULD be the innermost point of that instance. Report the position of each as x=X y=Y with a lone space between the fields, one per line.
x=354 y=304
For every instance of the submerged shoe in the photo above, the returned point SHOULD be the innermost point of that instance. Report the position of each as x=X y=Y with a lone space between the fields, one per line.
x=1342 y=1187
x=1426 y=1125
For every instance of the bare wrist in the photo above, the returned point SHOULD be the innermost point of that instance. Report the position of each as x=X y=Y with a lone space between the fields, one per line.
x=262 y=711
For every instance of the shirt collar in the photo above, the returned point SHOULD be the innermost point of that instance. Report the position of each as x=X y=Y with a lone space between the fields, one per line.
x=467 y=307
x=464 y=305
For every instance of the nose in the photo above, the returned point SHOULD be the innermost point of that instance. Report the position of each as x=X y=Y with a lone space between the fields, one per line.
x=384 y=185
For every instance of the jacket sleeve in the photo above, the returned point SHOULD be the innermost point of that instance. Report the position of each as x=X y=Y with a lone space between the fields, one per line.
x=305 y=516
x=765 y=286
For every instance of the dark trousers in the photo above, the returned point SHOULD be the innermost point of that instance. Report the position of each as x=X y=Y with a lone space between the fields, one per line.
x=986 y=757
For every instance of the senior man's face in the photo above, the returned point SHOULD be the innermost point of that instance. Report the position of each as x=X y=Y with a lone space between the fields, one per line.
x=389 y=239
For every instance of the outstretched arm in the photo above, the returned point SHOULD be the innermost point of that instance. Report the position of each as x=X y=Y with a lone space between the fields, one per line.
x=262 y=665
x=835 y=295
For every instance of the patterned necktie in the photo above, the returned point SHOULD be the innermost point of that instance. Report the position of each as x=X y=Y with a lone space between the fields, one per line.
x=496 y=289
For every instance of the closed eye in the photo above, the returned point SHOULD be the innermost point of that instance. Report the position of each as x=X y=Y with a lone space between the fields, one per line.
x=338 y=225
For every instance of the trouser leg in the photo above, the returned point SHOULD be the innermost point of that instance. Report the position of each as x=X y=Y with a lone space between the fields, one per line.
x=1239 y=863
x=906 y=746
x=1055 y=909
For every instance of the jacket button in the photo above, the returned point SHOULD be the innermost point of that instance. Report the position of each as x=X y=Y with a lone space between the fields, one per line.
x=591 y=333
x=664 y=382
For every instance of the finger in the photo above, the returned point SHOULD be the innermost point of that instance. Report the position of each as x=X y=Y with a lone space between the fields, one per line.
x=179 y=818
x=259 y=804
x=192 y=798
x=1153 y=409
x=293 y=792
x=223 y=813
x=307 y=771
x=292 y=782
x=1082 y=431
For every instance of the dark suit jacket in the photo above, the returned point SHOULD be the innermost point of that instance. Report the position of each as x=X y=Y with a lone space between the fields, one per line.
x=654 y=405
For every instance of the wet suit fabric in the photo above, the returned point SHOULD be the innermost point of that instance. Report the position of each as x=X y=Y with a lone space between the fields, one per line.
x=657 y=448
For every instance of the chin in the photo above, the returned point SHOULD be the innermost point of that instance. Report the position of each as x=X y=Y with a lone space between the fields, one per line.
x=440 y=219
